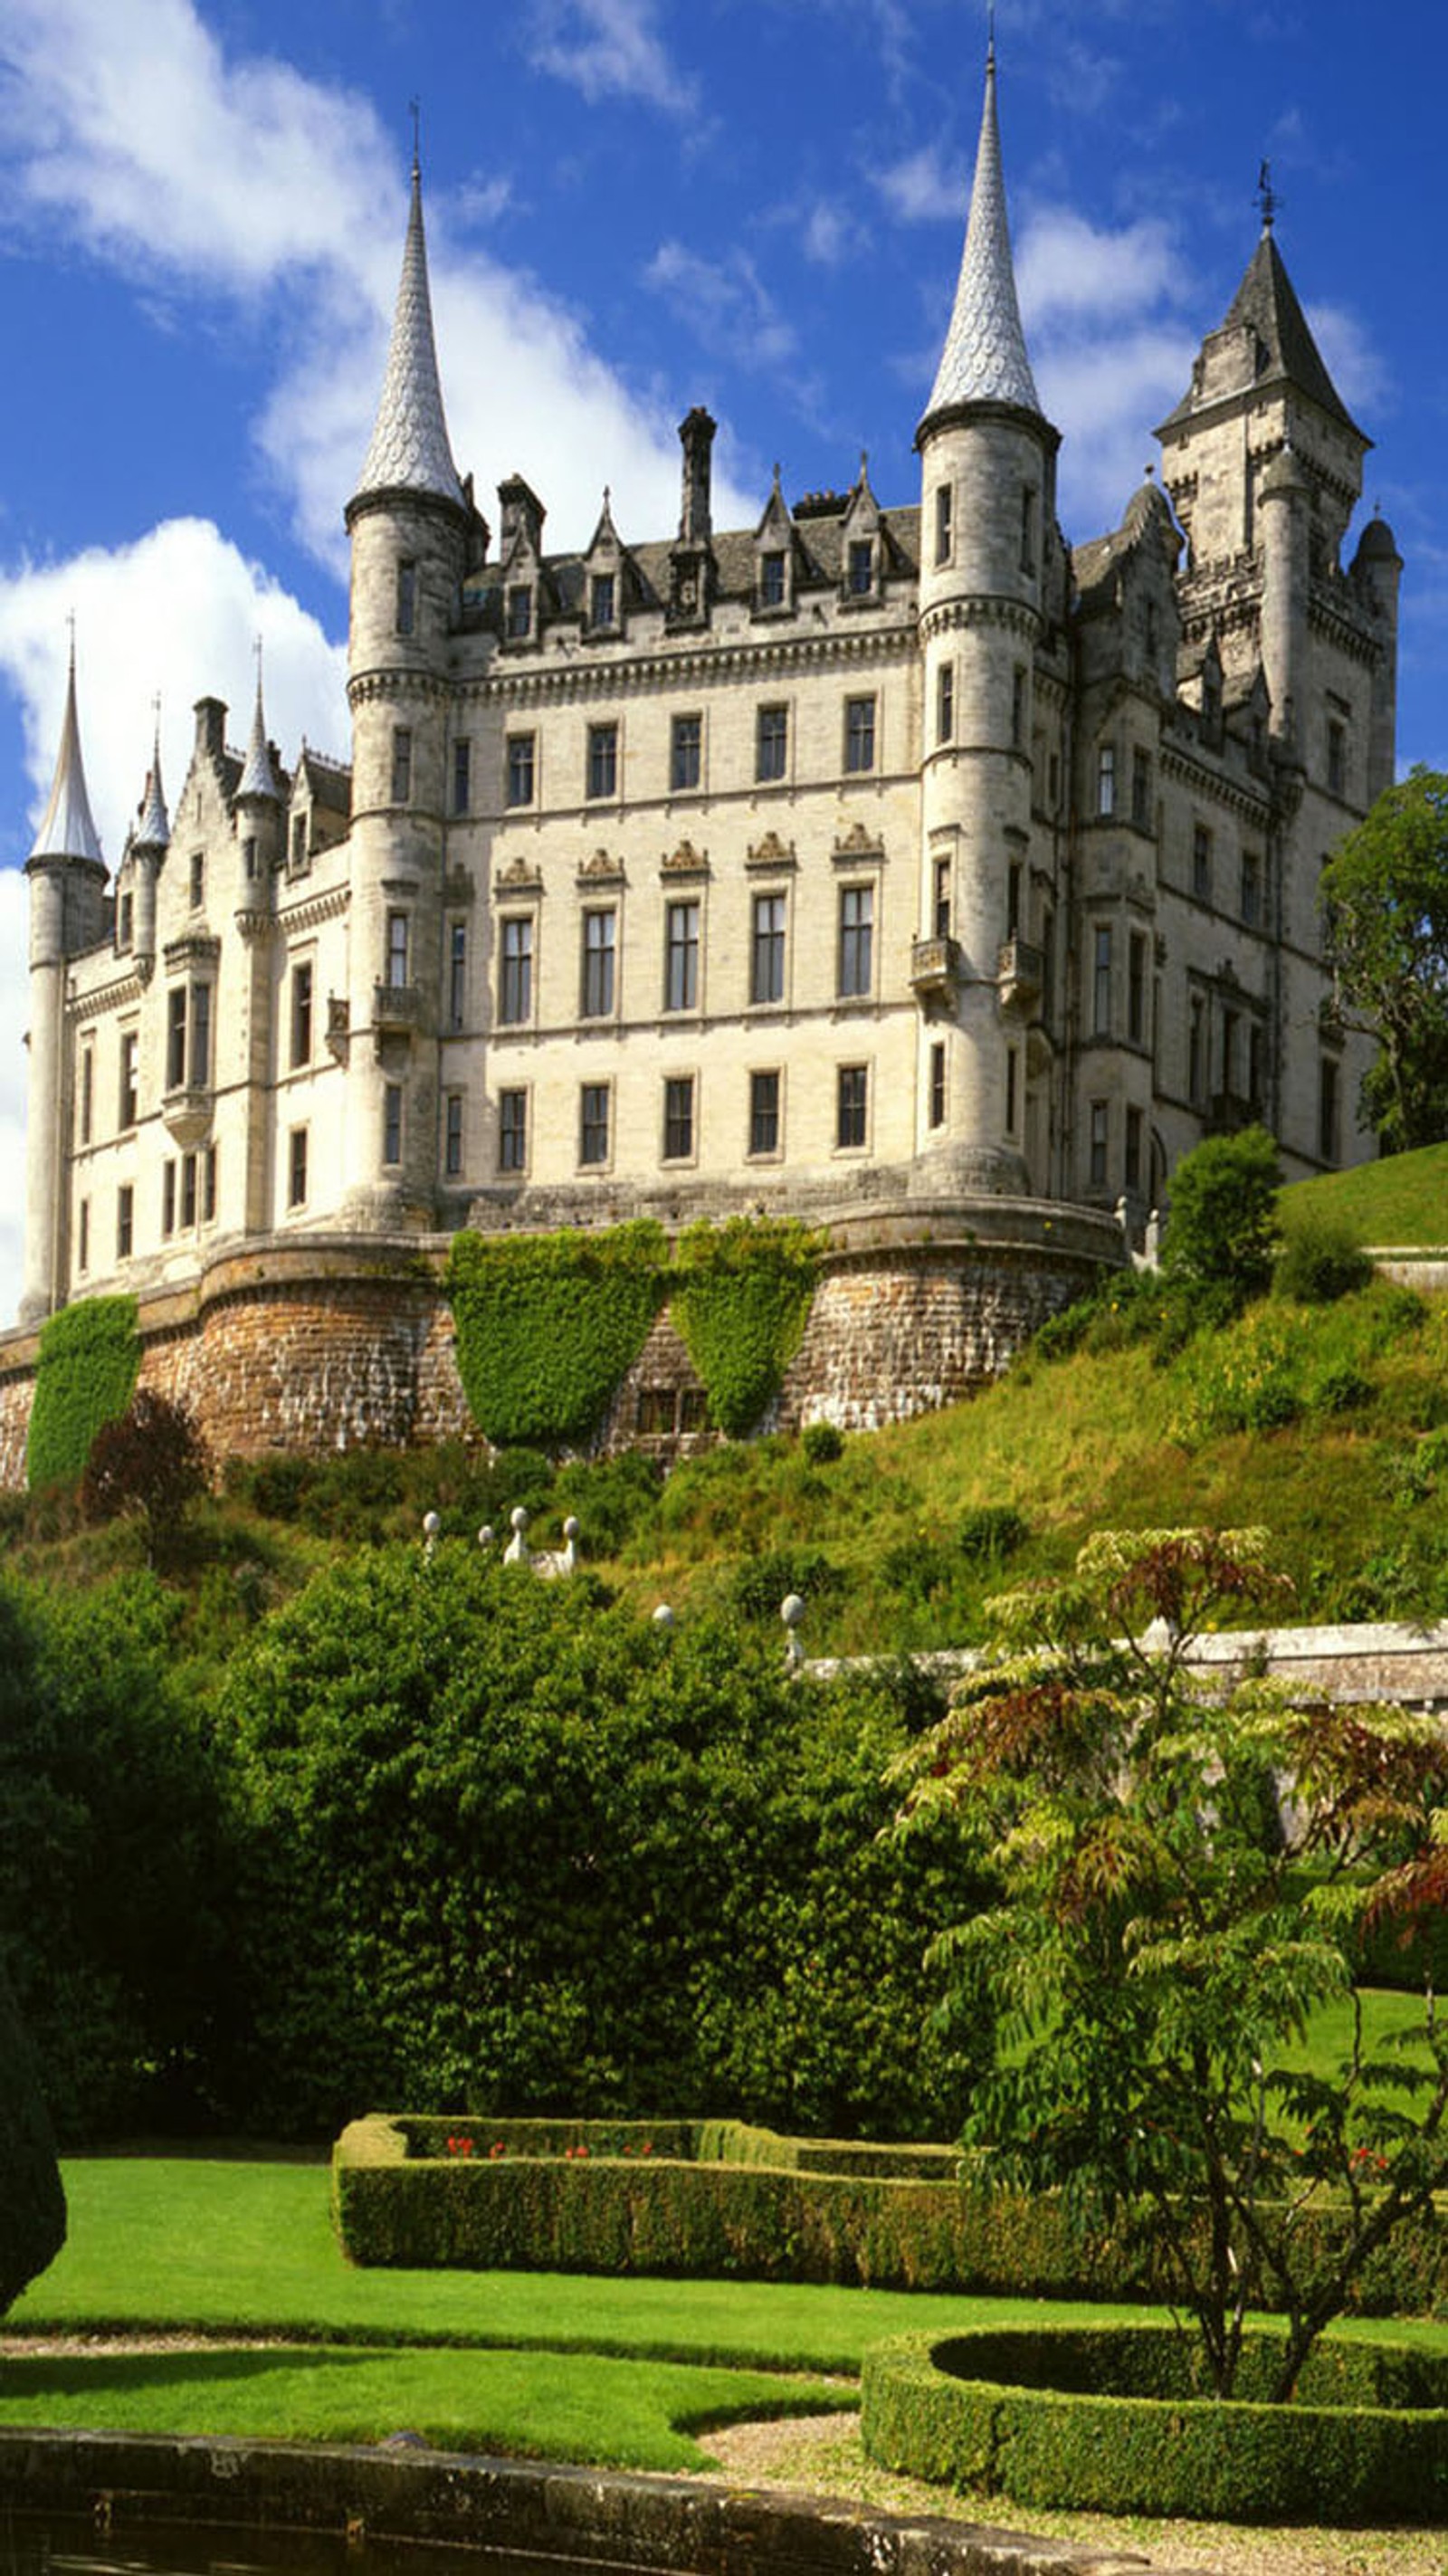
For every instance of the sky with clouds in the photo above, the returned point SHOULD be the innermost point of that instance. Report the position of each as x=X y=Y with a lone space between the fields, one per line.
x=633 y=205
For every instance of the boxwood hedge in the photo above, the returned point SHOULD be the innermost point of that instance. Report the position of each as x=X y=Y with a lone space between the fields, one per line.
x=1115 y=2420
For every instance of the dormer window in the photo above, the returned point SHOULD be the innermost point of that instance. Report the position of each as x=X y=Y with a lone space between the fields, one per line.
x=520 y=611
x=603 y=610
x=860 y=568
x=773 y=580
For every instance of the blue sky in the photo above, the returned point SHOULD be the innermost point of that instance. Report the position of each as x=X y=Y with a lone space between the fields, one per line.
x=633 y=205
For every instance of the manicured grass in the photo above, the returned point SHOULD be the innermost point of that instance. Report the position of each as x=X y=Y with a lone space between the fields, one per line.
x=1403 y=1200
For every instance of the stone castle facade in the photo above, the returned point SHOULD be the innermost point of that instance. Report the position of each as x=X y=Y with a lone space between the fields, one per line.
x=898 y=866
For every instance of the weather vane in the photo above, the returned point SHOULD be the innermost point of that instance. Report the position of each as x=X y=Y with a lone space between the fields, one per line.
x=414 y=109
x=1267 y=197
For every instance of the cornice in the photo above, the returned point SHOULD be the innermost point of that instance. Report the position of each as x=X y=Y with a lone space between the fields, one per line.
x=364 y=688
x=106 y=997
x=1255 y=803
x=633 y=675
x=949 y=616
x=317 y=908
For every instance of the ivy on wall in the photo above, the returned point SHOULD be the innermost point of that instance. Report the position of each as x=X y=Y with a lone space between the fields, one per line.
x=85 y=1375
x=740 y=1304
x=547 y=1324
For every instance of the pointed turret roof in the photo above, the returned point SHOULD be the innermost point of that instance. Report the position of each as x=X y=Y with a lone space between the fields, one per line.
x=984 y=358
x=1282 y=349
x=153 y=832
x=67 y=830
x=258 y=775
x=410 y=450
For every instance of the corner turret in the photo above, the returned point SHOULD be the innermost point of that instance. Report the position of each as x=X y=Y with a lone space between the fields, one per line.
x=67 y=877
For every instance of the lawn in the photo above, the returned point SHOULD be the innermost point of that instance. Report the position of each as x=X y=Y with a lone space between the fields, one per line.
x=1400 y=1200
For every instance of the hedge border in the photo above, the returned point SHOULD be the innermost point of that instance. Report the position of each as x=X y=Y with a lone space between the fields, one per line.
x=761 y=2208
x=944 y=2409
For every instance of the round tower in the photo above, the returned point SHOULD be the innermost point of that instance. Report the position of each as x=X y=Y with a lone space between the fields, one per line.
x=987 y=464
x=67 y=912
x=1377 y=570
x=408 y=522
x=1284 y=509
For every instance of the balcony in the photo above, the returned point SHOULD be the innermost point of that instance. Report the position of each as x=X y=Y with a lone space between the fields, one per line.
x=934 y=968
x=397 y=1007
x=1021 y=971
x=186 y=1110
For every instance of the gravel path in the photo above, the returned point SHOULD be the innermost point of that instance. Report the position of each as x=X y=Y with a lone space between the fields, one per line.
x=821 y=2455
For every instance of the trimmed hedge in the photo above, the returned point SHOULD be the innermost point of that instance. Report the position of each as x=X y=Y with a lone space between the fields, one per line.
x=720 y=2197
x=85 y=1375
x=1027 y=2414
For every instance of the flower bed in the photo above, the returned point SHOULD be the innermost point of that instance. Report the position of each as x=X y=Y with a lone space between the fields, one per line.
x=1116 y=2420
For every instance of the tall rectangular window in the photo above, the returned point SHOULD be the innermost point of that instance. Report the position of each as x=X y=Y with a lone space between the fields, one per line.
x=462 y=775
x=406 y=597
x=515 y=985
x=130 y=1096
x=208 y=1183
x=593 y=1123
x=1327 y=1109
x=772 y=584
x=200 y=1036
x=766 y=966
x=176 y=1037
x=188 y=1190
x=686 y=744
x=520 y=611
x=399 y=930
x=1013 y=1088
x=392 y=1122
x=1098 y=1143
x=1256 y=1063
x=1201 y=863
x=603 y=760
x=1018 y=709
x=945 y=702
x=125 y=919
x=603 y=601
x=519 y=788
x=1141 y=789
x=678 y=1118
x=764 y=1113
x=857 y=933
x=944 y=498
x=599 y=932
x=452 y=1135
x=1230 y=1068
x=457 y=975
x=1028 y=528
x=401 y=764
x=859 y=734
x=852 y=1095
x=1136 y=988
x=1013 y=900
x=935 y=1109
x=681 y=957
x=297 y=1167
x=1106 y=779
x=125 y=1221
x=1196 y=1049
x=771 y=742
x=198 y=879
x=941 y=917
x=168 y=1197
x=299 y=840
x=87 y=1092
x=82 y=1257
x=1251 y=889
x=302 y=1012
x=860 y=571
x=1131 y=1160
x=1101 y=981
x=512 y=1131
x=1336 y=758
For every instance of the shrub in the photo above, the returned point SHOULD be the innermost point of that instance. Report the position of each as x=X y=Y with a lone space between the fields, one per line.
x=1222 y=1226
x=991 y=1533
x=85 y=1375
x=151 y=1460
x=1251 y=1379
x=822 y=1443
x=32 y=2203
x=742 y=1299
x=547 y=1325
x=756 y=1590
x=1320 y=1260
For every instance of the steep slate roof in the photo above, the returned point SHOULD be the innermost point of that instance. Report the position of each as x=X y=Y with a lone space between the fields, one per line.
x=819 y=560
x=258 y=776
x=984 y=358
x=1266 y=304
x=410 y=451
x=153 y=832
x=67 y=830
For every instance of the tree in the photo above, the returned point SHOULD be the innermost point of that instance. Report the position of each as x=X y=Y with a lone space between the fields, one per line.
x=32 y=2202
x=151 y=1460
x=1165 y=1923
x=1384 y=895
x=1221 y=1233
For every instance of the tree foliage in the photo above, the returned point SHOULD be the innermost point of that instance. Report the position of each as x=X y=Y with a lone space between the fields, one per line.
x=1165 y=1921
x=32 y=2202
x=1221 y=1232
x=1385 y=902
x=151 y=1460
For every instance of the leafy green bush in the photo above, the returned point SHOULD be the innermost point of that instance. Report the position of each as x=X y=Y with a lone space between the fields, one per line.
x=1117 y=2420
x=822 y=1443
x=548 y=1324
x=150 y=1460
x=32 y=2203
x=1222 y=1227
x=991 y=1533
x=85 y=1375
x=1251 y=1379
x=742 y=1299
x=1320 y=1259
x=756 y=1590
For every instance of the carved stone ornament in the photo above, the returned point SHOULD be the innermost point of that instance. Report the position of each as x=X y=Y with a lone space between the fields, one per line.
x=520 y=872
x=771 y=852
x=685 y=860
x=602 y=864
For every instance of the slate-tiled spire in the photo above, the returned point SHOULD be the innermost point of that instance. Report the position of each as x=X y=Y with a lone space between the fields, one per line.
x=984 y=358
x=67 y=830
x=258 y=776
x=153 y=832
x=410 y=450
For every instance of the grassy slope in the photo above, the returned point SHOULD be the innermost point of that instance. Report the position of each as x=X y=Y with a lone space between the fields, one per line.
x=1401 y=1201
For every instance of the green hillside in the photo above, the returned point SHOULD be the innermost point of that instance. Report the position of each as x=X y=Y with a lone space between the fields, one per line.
x=1401 y=1201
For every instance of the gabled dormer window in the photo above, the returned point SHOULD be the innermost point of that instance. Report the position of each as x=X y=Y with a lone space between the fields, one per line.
x=860 y=568
x=603 y=601
x=519 y=617
x=773 y=579
x=774 y=567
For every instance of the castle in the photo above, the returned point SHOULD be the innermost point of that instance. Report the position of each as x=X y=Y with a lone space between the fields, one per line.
x=898 y=866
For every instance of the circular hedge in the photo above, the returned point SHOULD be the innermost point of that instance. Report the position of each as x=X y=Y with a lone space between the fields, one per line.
x=1118 y=2419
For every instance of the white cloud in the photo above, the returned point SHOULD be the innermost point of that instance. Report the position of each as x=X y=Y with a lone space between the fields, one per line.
x=726 y=303
x=1107 y=398
x=1355 y=366
x=1067 y=268
x=924 y=186
x=14 y=1018
x=607 y=48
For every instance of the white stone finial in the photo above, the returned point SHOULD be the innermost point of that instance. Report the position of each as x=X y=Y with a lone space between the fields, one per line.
x=791 y=1611
x=517 y=1551
x=431 y=1532
x=664 y=1619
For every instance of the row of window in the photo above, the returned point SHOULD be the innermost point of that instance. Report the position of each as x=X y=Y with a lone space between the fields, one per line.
x=602 y=754
x=683 y=922
x=188 y=1060
x=1250 y=878
x=188 y=1199
x=603 y=606
x=678 y=1127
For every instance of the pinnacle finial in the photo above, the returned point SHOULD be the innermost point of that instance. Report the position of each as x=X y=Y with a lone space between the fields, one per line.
x=153 y=831
x=67 y=830
x=409 y=451
x=258 y=775
x=984 y=358
x=414 y=109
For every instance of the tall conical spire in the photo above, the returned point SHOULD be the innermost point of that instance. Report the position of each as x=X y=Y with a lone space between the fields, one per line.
x=410 y=450
x=153 y=832
x=258 y=776
x=984 y=358
x=67 y=830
